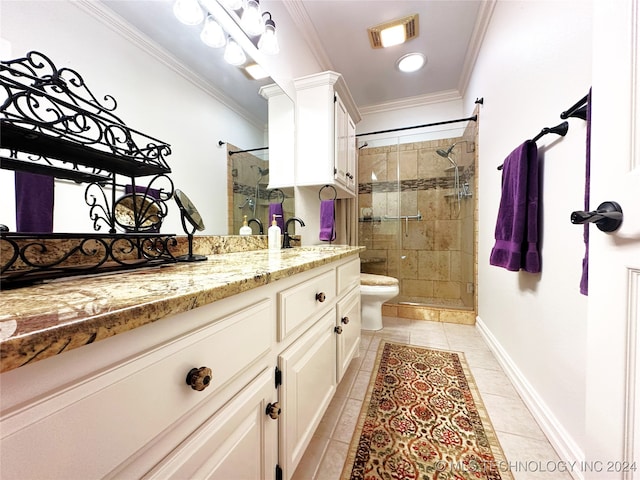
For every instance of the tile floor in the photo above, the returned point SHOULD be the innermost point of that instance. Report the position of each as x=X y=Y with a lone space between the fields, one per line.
x=523 y=442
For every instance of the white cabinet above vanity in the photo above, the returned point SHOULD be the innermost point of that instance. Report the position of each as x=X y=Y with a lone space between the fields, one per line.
x=323 y=136
x=326 y=116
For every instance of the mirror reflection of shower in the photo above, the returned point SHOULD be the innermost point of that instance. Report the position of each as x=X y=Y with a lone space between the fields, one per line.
x=262 y=172
x=249 y=193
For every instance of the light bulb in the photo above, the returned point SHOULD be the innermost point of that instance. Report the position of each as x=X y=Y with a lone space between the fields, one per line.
x=234 y=54
x=232 y=4
x=212 y=33
x=188 y=12
x=268 y=42
x=251 y=19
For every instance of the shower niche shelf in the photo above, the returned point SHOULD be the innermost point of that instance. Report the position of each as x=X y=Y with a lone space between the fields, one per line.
x=52 y=124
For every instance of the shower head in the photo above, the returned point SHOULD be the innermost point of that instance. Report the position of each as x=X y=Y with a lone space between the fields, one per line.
x=261 y=171
x=447 y=154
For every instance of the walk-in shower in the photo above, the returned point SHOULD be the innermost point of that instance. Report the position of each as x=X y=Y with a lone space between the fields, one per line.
x=417 y=218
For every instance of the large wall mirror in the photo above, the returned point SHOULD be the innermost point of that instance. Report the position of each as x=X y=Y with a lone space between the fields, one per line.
x=248 y=172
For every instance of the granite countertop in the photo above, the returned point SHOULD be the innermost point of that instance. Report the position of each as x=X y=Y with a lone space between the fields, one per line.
x=40 y=321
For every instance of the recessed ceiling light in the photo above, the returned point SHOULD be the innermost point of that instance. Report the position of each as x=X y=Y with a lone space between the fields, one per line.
x=411 y=62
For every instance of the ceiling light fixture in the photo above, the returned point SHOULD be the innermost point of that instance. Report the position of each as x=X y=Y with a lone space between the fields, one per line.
x=188 y=12
x=261 y=32
x=233 y=53
x=392 y=36
x=393 y=33
x=251 y=18
x=232 y=4
x=256 y=72
x=411 y=62
x=212 y=34
x=268 y=42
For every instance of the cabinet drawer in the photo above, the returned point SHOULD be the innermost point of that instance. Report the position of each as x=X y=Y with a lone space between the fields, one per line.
x=348 y=275
x=116 y=412
x=238 y=442
x=299 y=303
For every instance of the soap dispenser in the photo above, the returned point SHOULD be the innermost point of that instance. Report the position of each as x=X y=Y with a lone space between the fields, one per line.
x=274 y=234
x=245 y=229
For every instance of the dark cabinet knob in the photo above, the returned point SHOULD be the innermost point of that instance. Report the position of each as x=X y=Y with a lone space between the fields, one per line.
x=345 y=320
x=321 y=297
x=273 y=410
x=199 y=378
x=338 y=329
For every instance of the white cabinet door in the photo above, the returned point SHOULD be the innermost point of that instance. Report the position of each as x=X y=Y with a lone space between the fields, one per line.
x=341 y=159
x=308 y=385
x=238 y=442
x=348 y=340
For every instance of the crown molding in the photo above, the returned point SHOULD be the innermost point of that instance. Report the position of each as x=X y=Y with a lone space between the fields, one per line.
x=308 y=32
x=119 y=26
x=409 y=102
x=477 y=37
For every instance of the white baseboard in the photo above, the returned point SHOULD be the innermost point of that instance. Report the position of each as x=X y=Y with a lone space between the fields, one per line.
x=562 y=442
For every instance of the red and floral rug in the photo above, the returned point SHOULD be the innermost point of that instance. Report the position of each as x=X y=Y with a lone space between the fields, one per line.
x=423 y=419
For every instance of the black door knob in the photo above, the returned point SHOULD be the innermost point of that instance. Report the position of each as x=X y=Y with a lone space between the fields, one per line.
x=608 y=217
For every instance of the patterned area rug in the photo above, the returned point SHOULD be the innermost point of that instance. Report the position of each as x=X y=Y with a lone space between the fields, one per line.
x=423 y=419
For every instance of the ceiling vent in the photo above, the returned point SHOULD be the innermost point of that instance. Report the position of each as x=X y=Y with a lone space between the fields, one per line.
x=408 y=24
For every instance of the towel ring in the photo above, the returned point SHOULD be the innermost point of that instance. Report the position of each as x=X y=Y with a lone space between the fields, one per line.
x=335 y=192
x=279 y=192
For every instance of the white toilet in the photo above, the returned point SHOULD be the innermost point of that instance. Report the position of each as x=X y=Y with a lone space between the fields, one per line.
x=374 y=291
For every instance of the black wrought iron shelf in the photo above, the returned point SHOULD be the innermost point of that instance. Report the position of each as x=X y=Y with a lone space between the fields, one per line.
x=28 y=258
x=49 y=115
x=52 y=124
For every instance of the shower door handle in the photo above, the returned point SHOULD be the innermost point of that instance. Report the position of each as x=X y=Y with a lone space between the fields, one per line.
x=608 y=217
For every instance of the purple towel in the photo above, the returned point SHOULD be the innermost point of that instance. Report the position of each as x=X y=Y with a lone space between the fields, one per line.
x=584 y=280
x=34 y=203
x=152 y=192
x=516 y=231
x=276 y=209
x=327 y=220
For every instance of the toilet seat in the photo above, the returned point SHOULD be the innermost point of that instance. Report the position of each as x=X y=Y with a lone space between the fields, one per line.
x=377 y=280
x=379 y=289
x=374 y=291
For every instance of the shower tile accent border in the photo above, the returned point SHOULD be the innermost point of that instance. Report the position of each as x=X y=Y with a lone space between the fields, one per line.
x=411 y=185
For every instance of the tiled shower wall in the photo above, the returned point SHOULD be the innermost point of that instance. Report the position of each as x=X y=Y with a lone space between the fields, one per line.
x=432 y=257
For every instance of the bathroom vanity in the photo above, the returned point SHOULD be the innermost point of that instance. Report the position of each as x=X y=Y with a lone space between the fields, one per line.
x=218 y=369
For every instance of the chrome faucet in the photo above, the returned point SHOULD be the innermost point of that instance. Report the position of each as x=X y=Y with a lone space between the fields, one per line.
x=286 y=239
x=260 y=227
